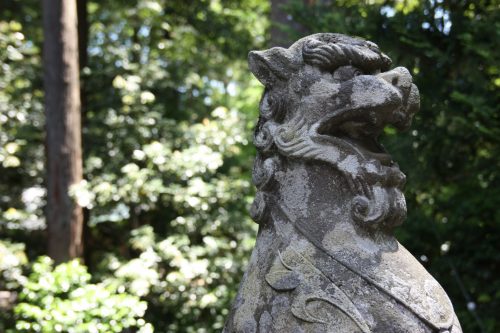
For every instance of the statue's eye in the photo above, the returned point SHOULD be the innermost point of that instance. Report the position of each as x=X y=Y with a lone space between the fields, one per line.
x=346 y=73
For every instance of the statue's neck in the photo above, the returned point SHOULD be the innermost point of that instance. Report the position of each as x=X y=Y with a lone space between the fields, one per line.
x=320 y=196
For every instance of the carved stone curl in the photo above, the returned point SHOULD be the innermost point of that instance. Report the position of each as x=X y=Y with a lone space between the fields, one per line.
x=329 y=197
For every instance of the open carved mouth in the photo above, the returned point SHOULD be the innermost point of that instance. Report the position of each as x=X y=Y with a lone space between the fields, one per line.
x=359 y=129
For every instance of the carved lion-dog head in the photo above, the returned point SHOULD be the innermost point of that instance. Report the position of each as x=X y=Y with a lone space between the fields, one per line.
x=328 y=98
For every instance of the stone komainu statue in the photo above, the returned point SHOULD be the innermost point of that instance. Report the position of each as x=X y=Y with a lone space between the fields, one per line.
x=329 y=197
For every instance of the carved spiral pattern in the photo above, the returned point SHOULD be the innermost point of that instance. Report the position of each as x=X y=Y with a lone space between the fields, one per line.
x=360 y=207
x=264 y=137
x=365 y=212
x=272 y=106
x=272 y=110
x=285 y=134
x=264 y=170
x=259 y=208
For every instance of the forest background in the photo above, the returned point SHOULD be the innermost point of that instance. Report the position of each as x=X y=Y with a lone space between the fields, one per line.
x=167 y=111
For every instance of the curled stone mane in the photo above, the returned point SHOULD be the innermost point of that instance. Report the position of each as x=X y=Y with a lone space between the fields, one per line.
x=336 y=53
x=272 y=108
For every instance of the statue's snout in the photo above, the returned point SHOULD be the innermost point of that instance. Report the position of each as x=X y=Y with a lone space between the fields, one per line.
x=400 y=78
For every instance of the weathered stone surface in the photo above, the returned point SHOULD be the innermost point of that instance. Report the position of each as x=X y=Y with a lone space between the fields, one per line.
x=329 y=197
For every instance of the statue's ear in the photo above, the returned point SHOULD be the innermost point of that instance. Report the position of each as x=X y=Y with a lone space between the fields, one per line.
x=270 y=66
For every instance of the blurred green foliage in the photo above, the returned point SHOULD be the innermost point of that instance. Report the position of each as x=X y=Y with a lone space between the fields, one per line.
x=61 y=299
x=168 y=111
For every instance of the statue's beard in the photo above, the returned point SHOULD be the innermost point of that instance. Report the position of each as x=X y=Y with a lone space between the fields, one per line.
x=374 y=180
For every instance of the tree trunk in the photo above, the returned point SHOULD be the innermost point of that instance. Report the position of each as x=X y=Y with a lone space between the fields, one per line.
x=83 y=32
x=63 y=126
x=83 y=40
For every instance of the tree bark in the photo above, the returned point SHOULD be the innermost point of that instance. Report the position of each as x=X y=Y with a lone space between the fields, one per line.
x=63 y=128
x=83 y=32
x=83 y=39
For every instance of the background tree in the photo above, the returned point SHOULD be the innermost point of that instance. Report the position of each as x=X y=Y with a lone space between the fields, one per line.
x=63 y=128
